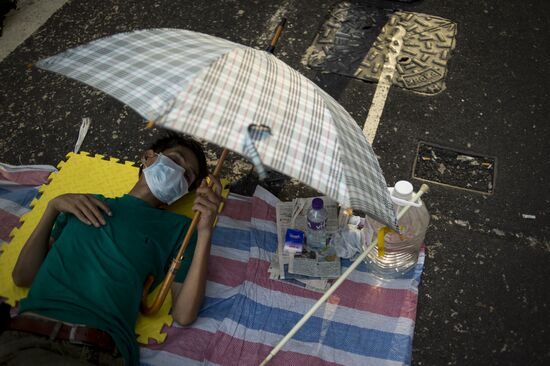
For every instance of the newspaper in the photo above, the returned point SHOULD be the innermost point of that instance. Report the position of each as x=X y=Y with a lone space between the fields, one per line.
x=309 y=283
x=304 y=266
x=304 y=269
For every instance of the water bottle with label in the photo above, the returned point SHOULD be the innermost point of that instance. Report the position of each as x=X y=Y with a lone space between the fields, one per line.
x=400 y=250
x=316 y=225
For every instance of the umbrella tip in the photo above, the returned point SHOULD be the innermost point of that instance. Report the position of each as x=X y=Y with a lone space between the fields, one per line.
x=424 y=188
x=150 y=124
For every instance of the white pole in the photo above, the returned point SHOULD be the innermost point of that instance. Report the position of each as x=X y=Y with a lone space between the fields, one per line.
x=423 y=189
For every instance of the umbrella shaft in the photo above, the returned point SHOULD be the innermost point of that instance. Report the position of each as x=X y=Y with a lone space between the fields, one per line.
x=169 y=278
x=275 y=39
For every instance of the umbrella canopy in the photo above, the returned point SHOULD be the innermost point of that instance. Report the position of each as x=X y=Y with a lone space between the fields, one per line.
x=240 y=98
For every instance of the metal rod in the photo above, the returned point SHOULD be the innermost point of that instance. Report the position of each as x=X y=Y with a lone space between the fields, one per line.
x=423 y=189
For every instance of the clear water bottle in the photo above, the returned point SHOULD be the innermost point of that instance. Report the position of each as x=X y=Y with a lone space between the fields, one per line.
x=316 y=225
x=400 y=250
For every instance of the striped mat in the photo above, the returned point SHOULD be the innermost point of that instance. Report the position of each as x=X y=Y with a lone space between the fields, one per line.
x=245 y=314
x=18 y=187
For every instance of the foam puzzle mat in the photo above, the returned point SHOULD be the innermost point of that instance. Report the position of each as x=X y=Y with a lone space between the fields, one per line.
x=83 y=173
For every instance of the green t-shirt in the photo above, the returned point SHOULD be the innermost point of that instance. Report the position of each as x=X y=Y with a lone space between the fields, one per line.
x=95 y=276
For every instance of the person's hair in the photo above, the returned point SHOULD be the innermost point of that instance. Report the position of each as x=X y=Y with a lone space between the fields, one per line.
x=173 y=139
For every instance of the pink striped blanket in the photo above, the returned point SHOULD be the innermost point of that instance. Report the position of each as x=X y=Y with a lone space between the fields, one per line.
x=245 y=314
x=18 y=187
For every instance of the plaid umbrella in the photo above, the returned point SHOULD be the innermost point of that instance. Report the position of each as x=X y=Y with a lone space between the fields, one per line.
x=240 y=98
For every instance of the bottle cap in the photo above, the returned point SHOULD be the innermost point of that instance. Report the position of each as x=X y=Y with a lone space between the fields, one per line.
x=403 y=189
x=317 y=203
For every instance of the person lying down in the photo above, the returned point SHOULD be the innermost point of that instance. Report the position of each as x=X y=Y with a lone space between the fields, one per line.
x=88 y=258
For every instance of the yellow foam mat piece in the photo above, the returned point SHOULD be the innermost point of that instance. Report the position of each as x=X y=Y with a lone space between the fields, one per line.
x=82 y=173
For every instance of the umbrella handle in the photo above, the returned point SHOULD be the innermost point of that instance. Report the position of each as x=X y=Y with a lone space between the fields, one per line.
x=176 y=262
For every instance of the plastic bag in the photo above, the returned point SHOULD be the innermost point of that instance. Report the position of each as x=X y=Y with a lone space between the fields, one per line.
x=347 y=243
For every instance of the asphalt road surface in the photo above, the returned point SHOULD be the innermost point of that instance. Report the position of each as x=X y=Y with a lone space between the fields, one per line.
x=484 y=297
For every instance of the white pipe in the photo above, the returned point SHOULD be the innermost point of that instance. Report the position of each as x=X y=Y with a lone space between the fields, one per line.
x=423 y=189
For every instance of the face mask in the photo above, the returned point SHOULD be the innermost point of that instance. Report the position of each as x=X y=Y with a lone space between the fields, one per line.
x=165 y=179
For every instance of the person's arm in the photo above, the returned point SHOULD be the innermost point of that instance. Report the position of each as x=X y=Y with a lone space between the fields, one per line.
x=35 y=249
x=84 y=207
x=188 y=296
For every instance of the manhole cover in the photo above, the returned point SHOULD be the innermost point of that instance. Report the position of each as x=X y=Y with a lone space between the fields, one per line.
x=345 y=38
x=341 y=46
x=455 y=168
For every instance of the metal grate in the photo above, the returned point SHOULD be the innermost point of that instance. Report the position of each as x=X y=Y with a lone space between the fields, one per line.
x=348 y=44
x=455 y=168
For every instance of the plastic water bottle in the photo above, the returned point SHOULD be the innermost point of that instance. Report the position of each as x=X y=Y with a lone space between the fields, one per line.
x=316 y=225
x=400 y=250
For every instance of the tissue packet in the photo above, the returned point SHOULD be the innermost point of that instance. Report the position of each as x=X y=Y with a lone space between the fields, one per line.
x=294 y=240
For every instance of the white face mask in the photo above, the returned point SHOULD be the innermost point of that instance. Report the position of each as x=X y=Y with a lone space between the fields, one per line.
x=166 y=180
